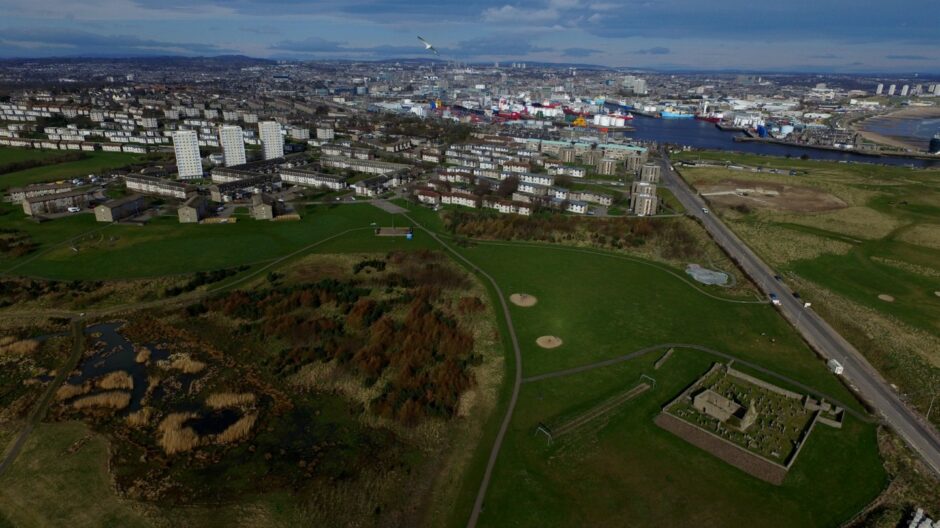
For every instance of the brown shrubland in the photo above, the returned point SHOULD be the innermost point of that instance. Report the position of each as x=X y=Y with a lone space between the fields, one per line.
x=237 y=430
x=9 y=345
x=186 y=364
x=221 y=400
x=173 y=437
x=118 y=379
x=67 y=390
x=143 y=355
x=141 y=417
x=112 y=399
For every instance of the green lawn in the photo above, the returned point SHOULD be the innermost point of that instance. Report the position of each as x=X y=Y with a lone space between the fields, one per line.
x=602 y=307
x=626 y=471
x=49 y=485
x=12 y=155
x=93 y=163
x=166 y=247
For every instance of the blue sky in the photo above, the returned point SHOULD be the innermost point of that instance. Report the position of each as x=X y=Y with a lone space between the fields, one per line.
x=826 y=35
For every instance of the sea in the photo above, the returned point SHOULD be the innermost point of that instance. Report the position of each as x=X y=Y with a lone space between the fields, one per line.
x=705 y=135
x=913 y=129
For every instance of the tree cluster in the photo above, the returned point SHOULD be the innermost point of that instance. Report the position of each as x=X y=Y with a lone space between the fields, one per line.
x=608 y=233
x=418 y=352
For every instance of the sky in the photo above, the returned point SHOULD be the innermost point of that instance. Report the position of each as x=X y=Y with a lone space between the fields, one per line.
x=785 y=35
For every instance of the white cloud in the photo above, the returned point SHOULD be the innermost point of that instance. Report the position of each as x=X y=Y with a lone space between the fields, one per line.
x=508 y=13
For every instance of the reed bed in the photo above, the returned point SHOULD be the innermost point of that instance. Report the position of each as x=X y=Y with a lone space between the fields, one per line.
x=67 y=391
x=173 y=437
x=237 y=430
x=222 y=400
x=111 y=400
x=118 y=379
x=141 y=417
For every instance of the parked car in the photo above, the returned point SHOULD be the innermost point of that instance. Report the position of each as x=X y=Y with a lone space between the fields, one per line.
x=74 y=209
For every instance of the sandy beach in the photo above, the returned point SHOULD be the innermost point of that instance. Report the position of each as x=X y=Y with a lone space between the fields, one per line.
x=911 y=112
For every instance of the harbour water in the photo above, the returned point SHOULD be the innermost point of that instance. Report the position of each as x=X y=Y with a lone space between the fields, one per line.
x=704 y=135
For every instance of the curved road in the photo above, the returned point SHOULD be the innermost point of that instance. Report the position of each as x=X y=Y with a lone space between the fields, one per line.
x=864 y=379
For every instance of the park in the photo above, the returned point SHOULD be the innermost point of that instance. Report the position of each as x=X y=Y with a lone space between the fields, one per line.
x=614 y=313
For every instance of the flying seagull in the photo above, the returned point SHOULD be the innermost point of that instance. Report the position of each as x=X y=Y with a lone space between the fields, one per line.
x=428 y=46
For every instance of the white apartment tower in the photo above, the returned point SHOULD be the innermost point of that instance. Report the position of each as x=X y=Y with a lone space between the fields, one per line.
x=233 y=145
x=891 y=89
x=905 y=90
x=271 y=139
x=188 y=161
x=880 y=89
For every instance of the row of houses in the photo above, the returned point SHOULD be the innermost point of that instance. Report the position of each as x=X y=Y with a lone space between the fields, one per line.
x=73 y=145
x=360 y=165
x=155 y=186
x=18 y=194
x=520 y=204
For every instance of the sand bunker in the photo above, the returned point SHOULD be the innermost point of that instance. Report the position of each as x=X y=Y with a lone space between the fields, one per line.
x=937 y=293
x=548 y=342
x=523 y=299
x=885 y=297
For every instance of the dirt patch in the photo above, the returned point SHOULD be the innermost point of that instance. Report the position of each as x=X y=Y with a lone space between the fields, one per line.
x=886 y=298
x=769 y=195
x=523 y=299
x=726 y=451
x=548 y=342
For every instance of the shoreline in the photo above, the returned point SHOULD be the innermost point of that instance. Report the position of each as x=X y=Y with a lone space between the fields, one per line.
x=918 y=112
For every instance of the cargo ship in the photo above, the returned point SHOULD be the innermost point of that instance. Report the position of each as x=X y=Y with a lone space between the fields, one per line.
x=674 y=113
x=711 y=117
x=703 y=114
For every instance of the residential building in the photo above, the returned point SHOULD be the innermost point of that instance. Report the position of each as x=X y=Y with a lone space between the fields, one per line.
x=367 y=166
x=58 y=202
x=265 y=207
x=193 y=210
x=114 y=210
x=233 y=145
x=18 y=194
x=188 y=160
x=370 y=187
x=157 y=186
x=271 y=139
x=650 y=173
x=312 y=178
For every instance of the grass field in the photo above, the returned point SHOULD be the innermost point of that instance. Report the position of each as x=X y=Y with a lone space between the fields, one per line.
x=53 y=485
x=872 y=267
x=92 y=163
x=12 y=155
x=602 y=306
x=628 y=471
x=165 y=247
x=62 y=478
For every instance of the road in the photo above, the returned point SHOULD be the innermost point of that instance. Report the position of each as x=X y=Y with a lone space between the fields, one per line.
x=869 y=384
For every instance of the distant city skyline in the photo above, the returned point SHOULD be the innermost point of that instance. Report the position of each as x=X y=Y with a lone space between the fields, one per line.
x=801 y=35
